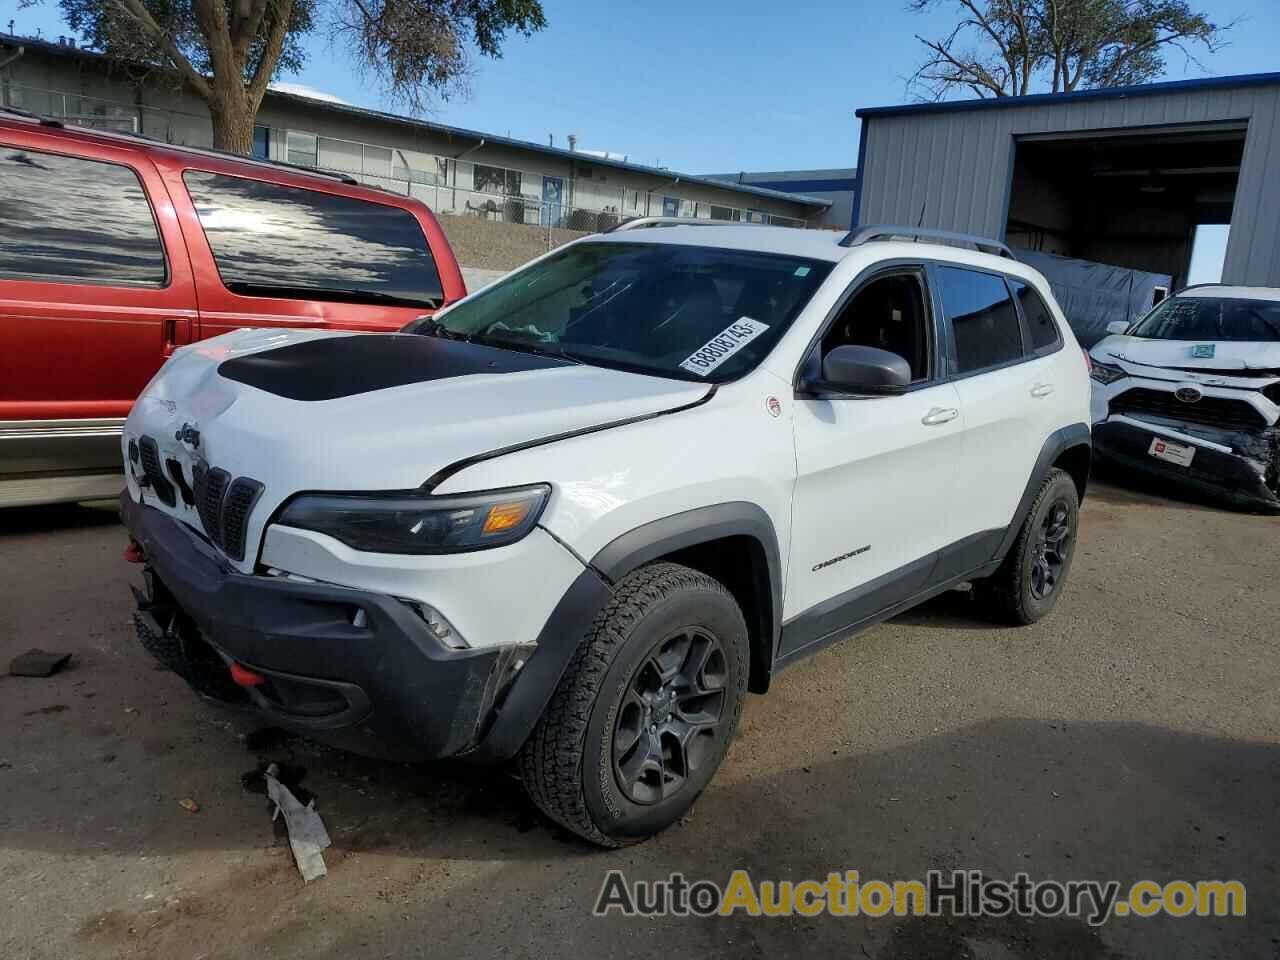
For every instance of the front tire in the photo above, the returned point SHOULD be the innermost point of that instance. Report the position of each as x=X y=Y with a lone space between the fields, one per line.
x=645 y=711
x=1033 y=575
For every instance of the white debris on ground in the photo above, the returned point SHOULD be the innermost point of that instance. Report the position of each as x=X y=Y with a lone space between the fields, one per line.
x=307 y=834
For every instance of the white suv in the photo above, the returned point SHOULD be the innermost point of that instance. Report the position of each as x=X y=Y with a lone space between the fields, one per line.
x=1191 y=393
x=575 y=517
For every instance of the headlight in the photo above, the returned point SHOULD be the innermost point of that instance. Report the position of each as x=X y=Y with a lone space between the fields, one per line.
x=1106 y=373
x=408 y=523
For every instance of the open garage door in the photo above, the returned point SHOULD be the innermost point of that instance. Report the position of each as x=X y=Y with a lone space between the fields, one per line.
x=1128 y=198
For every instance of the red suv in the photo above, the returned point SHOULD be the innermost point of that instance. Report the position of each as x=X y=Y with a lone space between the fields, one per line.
x=115 y=250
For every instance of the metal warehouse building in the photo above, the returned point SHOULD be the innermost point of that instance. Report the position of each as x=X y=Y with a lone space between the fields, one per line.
x=1120 y=176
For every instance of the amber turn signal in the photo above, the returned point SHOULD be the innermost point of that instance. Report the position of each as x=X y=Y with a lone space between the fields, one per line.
x=505 y=516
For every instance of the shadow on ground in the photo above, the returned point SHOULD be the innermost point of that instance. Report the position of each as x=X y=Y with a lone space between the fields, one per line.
x=1055 y=800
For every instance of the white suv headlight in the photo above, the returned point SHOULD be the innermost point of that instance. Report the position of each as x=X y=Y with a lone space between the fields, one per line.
x=409 y=522
x=1105 y=372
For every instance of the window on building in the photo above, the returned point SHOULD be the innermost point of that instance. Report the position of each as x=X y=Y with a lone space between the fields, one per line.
x=671 y=206
x=1040 y=322
x=755 y=216
x=497 y=180
x=302 y=148
x=982 y=317
x=275 y=241
x=60 y=231
x=888 y=313
x=725 y=213
x=262 y=142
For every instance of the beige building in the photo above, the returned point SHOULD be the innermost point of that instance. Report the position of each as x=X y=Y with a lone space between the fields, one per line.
x=454 y=171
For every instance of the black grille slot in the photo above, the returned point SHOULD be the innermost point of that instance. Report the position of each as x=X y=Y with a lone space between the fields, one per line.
x=210 y=486
x=1210 y=411
x=153 y=472
x=1272 y=393
x=236 y=507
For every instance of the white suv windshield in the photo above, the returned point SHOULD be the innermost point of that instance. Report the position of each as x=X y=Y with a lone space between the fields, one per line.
x=1212 y=318
x=672 y=310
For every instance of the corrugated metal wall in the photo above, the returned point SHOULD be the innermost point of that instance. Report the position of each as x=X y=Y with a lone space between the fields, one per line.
x=956 y=166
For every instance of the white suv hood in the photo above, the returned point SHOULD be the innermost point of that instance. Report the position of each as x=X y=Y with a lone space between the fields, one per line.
x=392 y=438
x=1230 y=358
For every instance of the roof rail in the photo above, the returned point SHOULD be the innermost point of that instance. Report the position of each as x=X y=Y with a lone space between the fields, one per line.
x=861 y=235
x=641 y=223
x=52 y=121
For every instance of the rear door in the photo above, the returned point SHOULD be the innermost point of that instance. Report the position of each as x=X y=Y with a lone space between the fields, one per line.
x=872 y=502
x=269 y=253
x=95 y=290
x=1004 y=389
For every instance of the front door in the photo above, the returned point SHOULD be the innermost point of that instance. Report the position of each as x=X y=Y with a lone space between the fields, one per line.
x=871 y=506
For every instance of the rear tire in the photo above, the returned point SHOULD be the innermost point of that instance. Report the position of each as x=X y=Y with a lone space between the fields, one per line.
x=1033 y=575
x=645 y=711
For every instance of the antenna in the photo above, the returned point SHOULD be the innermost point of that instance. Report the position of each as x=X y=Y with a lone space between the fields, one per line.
x=921 y=221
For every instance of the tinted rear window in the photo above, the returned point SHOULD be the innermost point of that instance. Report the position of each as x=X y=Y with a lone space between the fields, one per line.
x=68 y=220
x=1040 y=322
x=1212 y=318
x=273 y=240
x=983 y=318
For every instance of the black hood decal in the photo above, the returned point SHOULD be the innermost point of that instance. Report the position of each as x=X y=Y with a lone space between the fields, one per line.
x=334 y=367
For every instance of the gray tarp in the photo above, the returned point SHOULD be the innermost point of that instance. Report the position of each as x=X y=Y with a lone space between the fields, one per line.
x=1094 y=294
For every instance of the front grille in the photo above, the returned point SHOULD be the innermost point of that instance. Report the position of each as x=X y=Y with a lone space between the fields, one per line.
x=210 y=488
x=223 y=503
x=151 y=470
x=1210 y=411
x=236 y=507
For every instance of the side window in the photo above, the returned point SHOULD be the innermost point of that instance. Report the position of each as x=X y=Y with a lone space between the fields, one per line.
x=277 y=241
x=53 y=228
x=983 y=320
x=888 y=313
x=1040 y=323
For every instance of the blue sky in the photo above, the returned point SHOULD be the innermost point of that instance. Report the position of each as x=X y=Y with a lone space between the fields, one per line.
x=708 y=85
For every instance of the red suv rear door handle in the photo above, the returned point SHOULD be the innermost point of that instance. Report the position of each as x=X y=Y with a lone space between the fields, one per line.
x=176 y=331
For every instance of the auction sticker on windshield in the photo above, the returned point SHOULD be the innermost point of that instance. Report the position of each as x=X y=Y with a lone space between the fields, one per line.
x=723 y=346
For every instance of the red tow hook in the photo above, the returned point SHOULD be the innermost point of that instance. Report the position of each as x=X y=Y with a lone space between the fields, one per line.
x=133 y=553
x=244 y=677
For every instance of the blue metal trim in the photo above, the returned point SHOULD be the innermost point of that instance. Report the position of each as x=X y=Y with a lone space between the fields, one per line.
x=862 y=165
x=786 y=186
x=1109 y=93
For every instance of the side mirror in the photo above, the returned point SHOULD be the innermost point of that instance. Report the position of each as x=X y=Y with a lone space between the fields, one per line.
x=1117 y=326
x=865 y=370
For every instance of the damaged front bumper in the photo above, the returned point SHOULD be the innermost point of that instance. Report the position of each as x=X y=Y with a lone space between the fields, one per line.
x=1242 y=467
x=355 y=668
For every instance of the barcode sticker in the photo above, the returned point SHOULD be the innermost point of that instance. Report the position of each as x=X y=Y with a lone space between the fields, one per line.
x=723 y=346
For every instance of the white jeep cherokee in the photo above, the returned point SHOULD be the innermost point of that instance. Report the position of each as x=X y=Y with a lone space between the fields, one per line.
x=575 y=517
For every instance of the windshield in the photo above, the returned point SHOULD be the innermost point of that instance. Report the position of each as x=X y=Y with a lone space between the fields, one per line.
x=1211 y=318
x=672 y=310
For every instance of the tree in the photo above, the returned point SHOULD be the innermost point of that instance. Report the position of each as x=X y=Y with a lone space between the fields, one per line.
x=227 y=51
x=1007 y=48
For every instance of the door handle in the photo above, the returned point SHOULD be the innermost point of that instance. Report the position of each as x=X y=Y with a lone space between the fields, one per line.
x=939 y=415
x=176 y=332
x=1042 y=390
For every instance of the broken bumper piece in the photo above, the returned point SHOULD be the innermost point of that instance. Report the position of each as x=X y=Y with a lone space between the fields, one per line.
x=1241 y=467
x=353 y=668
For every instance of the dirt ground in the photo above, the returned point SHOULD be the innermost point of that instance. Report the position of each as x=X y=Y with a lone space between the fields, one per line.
x=1135 y=734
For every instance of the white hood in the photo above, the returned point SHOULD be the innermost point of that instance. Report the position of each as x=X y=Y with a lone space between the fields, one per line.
x=1231 y=361
x=393 y=438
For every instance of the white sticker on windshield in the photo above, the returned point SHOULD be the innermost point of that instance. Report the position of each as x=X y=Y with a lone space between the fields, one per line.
x=723 y=346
